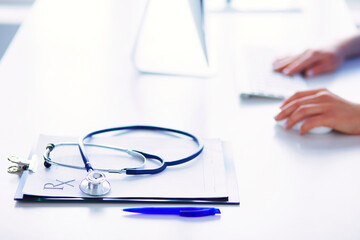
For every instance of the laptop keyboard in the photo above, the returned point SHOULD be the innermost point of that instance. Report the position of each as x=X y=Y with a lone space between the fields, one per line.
x=258 y=79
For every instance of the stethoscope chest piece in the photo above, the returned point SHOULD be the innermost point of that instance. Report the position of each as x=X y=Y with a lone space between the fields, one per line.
x=95 y=184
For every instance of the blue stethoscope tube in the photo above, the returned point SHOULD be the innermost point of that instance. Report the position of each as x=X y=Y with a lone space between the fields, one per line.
x=163 y=164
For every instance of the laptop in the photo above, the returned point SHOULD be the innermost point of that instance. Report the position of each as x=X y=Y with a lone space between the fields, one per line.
x=171 y=39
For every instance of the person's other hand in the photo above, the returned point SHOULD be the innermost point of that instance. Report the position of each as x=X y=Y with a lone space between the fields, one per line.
x=311 y=62
x=318 y=108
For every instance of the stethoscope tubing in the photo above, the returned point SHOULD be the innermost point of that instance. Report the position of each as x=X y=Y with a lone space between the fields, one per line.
x=163 y=164
x=50 y=147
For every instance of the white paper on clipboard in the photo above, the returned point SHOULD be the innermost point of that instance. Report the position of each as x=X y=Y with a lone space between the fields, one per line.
x=202 y=178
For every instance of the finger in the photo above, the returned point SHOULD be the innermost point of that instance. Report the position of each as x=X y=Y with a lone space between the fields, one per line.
x=299 y=65
x=281 y=63
x=302 y=94
x=321 y=120
x=318 y=69
x=287 y=110
x=304 y=112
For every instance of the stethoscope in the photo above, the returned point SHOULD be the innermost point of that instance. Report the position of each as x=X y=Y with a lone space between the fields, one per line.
x=95 y=182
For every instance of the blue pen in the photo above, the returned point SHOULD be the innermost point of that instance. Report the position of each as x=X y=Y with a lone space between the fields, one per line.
x=181 y=211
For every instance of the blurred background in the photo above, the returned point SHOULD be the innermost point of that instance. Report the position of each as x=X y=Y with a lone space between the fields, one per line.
x=14 y=12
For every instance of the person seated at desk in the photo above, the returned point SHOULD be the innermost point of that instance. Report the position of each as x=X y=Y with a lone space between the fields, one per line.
x=320 y=107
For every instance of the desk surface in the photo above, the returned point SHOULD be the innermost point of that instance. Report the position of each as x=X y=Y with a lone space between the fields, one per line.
x=69 y=71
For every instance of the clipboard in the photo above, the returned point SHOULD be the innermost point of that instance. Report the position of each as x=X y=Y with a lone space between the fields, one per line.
x=209 y=179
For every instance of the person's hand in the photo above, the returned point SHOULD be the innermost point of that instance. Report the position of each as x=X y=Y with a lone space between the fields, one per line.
x=320 y=107
x=311 y=62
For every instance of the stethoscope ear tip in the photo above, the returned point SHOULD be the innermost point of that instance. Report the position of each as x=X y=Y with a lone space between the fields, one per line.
x=95 y=184
x=46 y=164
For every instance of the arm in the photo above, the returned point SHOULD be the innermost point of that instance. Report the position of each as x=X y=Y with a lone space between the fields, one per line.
x=350 y=47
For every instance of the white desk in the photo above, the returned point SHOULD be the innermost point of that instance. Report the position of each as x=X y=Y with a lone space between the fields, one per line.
x=68 y=71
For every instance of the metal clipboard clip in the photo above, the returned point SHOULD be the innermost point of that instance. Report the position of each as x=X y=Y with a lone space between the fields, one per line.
x=22 y=164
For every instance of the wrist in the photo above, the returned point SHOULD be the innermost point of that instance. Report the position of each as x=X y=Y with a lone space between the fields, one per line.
x=342 y=51
x=349 y=48
x=356 y=119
